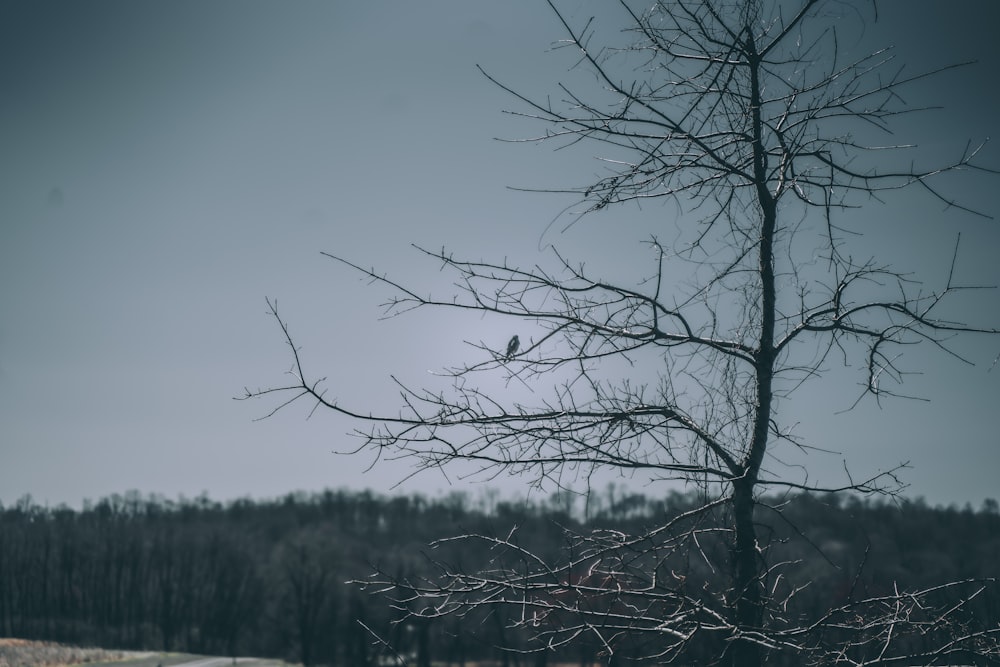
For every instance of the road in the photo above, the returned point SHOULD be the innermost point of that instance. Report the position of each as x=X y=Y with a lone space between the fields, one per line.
x=185 y=660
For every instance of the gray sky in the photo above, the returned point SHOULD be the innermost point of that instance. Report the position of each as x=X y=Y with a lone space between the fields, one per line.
x=164 y=166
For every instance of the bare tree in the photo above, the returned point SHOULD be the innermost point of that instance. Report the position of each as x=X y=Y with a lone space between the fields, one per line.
x=748 y=118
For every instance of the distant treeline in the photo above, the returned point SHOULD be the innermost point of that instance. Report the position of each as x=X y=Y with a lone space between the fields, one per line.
x=269 y=578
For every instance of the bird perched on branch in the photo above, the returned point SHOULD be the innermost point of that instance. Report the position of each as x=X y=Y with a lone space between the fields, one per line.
x=512 y=346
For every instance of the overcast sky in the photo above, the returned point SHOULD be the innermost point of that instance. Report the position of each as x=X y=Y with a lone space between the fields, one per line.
x=165 y=166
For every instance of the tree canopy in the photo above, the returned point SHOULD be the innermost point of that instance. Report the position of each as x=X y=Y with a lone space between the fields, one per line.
x=752 y=122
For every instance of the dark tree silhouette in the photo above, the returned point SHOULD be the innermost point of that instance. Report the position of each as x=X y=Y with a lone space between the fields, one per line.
x=747 y=116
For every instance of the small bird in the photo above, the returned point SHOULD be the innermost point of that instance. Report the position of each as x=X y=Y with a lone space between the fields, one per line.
x=512 y=346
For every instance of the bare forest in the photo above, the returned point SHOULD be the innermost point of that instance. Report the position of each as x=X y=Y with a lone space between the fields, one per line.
x=270 y=578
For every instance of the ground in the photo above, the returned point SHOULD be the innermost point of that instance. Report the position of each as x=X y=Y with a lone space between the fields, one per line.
x=26 y=653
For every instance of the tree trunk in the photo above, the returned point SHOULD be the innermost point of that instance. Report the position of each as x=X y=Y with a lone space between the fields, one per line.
x=747 y=603
x=746 y=581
